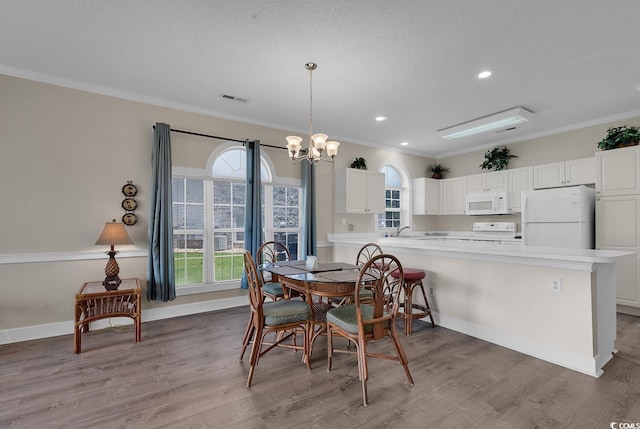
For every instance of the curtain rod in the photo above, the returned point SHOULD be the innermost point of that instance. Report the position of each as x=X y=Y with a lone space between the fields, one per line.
x=209 y=136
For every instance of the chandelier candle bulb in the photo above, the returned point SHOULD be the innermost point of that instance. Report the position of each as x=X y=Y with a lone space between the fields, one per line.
x=332 y=148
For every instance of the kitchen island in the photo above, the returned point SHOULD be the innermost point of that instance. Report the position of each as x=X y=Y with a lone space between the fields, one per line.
x=550 y=303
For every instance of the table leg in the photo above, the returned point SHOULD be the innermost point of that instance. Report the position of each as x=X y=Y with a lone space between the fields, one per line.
x=138 y=329
x=76 y=331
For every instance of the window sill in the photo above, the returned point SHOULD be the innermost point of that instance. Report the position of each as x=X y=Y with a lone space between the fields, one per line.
x=204 y=288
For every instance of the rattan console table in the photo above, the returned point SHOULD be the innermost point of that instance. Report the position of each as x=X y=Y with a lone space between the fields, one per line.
x=94 y=302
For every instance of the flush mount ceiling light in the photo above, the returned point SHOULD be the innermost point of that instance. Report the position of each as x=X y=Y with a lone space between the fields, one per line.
x=496 y=121
x=485 y=74
x=381 y=118
x=317 y=142
x=404 y=144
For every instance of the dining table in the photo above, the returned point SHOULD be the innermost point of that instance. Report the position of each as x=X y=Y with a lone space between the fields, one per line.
x=319 y=285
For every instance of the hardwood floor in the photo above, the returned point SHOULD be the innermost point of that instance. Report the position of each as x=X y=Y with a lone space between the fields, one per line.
x=186 y=374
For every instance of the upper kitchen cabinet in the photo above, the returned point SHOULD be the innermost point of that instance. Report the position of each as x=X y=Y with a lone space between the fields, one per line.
x=488 y=182
x=426 y=196
x=617 y=171
x=520 y=180
x=359 y=191
x=453 y=194
x=567 y=173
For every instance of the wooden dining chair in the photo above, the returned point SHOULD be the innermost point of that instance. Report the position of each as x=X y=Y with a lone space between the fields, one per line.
x=365 y=253
x=272 y=251
x=371 y=317
x=288 y=316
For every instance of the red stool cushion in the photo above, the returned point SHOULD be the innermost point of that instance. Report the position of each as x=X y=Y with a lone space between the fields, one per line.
x=411 y=274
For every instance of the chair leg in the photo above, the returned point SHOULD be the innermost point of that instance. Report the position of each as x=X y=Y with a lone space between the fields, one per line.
x=329 y=347
x=306 y=339
x=255 y=354
x=402 y=357
x=426 y=304
x=408 y=307
x=364 y=371
x=246 y=338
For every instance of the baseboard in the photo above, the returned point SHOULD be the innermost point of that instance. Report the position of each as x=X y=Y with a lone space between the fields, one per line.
x=36 y=332
x=590 y=365
x=625 y=309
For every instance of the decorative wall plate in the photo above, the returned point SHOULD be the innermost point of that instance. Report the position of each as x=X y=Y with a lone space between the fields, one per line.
x=129 y=219
x=129 y=204
x=130 y=190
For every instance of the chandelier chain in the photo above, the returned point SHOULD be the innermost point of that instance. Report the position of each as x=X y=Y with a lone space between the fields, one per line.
x=310 y=104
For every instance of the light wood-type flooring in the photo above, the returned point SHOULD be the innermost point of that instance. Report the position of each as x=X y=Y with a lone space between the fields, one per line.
x=186 y=374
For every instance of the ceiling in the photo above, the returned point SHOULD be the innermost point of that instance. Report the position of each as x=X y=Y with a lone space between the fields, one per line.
x=570 y=62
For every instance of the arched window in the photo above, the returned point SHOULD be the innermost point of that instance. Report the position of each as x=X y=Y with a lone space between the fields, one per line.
x=396 y=197
x=209 y=210
x=232 y=164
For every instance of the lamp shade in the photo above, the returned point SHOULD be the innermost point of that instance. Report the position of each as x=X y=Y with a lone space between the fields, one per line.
x=114 y=233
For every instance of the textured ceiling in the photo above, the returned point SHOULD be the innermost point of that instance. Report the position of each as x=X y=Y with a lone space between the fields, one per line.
x=570 y=62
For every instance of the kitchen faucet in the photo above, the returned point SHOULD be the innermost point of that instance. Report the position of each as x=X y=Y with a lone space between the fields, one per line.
x=401 y=229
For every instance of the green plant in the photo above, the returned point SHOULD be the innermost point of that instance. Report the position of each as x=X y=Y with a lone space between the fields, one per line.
x=620 y=137
x=359 y=163
x=437 y=170
x=497 y=158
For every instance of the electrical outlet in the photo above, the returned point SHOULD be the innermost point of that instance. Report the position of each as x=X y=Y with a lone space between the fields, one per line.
x=430 y=291
x=556 y=285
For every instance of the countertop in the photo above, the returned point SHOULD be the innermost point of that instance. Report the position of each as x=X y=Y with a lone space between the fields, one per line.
x=501 y=250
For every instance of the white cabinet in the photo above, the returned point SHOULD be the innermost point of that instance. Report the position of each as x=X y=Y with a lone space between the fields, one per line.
x=453 y=193
x=520 y=180
x=580 y=171
x=426 y=196
x=566 y=173
x=618 y=228
x=359 y=191
x=488 y=182
x=617 y=171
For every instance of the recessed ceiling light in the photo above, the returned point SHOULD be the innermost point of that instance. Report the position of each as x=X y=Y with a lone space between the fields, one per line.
x=381 y=118
x=483 y=75
x=404 y=144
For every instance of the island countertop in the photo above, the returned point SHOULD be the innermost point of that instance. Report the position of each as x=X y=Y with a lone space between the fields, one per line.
x=503 y=292
x=499 y=251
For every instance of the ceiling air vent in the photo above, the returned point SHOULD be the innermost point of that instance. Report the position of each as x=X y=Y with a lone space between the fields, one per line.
x=233 y=98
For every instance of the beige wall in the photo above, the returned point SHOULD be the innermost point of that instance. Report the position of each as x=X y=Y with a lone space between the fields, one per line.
x=65 y=155
x=580 y=143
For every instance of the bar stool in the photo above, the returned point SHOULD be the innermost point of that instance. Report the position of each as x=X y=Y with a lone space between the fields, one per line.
x=412 y=280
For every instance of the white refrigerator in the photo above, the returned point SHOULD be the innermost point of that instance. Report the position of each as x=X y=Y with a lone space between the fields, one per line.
x=559 y=217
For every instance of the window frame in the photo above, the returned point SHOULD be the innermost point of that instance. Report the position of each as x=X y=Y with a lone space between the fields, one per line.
x=208 y=179
x=405 y=199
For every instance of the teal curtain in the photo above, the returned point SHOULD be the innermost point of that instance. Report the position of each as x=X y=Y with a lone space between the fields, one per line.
x=252 y=203
x=160 y=274
x=309 y=238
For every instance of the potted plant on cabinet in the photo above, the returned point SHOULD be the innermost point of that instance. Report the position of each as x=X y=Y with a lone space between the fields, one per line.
x=497 y=158
x=359 y=163
x=620 y=137
x=437 y=171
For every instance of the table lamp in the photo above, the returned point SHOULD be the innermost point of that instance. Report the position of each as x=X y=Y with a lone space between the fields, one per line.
x=112 y=234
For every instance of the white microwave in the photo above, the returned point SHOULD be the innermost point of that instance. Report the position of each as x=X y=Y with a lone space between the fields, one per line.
x=489 y=203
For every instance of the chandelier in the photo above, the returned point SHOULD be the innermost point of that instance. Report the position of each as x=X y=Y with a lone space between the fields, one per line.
x=317 y=142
